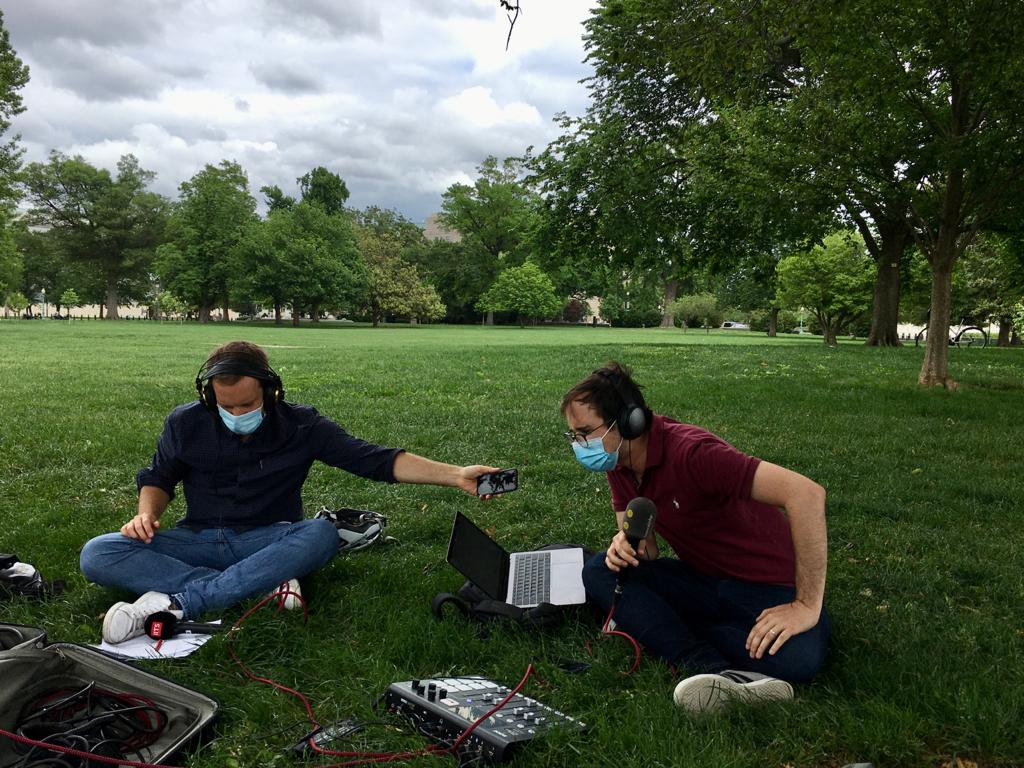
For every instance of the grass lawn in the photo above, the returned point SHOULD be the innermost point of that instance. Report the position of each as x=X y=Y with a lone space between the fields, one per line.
x=926 y=506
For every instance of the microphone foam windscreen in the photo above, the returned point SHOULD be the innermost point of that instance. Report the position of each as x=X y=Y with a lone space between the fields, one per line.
x=639 y=519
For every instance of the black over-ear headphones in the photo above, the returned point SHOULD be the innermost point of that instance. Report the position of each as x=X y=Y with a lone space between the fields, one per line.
x=273 y=388
x=631 y=418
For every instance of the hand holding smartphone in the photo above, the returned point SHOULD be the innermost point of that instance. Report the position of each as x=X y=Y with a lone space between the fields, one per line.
x=495 y=483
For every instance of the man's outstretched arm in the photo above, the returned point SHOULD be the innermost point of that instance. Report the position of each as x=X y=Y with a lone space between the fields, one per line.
x=410 y=468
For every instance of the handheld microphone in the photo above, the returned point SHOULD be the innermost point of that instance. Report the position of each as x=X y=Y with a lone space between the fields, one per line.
x=637 y=524
x=639 y=520
x=164 y=624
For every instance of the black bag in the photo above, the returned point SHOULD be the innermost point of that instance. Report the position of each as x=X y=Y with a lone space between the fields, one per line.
x=475 y=604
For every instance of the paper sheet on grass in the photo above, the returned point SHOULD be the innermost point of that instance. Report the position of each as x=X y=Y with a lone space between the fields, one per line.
x=145 y=647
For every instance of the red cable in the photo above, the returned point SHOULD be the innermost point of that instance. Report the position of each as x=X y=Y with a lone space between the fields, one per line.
x=362 y=757
x=434 y=749
x=634 y=643
x=79 y=753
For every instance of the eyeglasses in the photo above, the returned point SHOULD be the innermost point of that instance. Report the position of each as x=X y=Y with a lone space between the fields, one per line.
x=581 y=436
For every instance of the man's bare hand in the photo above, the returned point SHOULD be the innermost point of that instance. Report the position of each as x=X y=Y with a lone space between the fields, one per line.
x=776 y=625
x=141 y=527
x=468 y=475
x=621 y=555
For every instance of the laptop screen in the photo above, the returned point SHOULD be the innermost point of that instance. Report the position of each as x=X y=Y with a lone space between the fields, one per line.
x=478 y=557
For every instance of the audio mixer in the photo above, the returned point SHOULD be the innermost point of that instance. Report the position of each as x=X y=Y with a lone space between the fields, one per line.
x=442 y=708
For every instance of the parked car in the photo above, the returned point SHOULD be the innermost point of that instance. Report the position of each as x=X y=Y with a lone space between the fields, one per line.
x=731 y=325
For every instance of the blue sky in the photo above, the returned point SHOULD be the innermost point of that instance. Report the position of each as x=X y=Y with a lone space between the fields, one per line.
x=401 y=98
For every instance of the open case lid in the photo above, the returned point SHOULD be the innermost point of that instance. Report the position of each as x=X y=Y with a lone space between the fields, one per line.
x=29 y=673
x=19 y=636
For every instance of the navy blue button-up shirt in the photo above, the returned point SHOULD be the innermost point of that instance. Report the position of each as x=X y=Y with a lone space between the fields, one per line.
x=240 y=484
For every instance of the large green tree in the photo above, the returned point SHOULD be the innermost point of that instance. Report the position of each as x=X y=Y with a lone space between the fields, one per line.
x=304 y=257
x=832 y=280
x=494 y=216
x=526 y=291
x=395 y=288
x=111 y=225
x=213 y=213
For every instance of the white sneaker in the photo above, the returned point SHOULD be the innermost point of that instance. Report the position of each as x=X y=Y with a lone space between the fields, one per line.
x=127 y=620
x=288 y=595
x=709 y=693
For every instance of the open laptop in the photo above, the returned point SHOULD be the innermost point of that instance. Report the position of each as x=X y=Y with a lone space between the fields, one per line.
x=524 y=579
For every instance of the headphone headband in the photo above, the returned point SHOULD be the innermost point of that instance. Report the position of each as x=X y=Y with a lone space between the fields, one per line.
x=273 y=387
x=236 y=366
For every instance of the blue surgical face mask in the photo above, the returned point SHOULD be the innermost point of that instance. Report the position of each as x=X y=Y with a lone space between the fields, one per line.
x=245 y=424
x=594 y=457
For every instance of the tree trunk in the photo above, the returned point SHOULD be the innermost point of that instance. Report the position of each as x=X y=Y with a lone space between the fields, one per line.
x=1005 y=324
x=671 y=288
x=226 y=311
x=885 y=305
x=490 y=317
x=314 y=313
x=773 y=322
x=296 y=315
x=204 y=311
x=935 y=368
x=277 y=313
x=946 y=248
x=112 y=299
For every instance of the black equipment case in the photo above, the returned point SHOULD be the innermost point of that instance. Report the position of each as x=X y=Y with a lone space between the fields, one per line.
x=32 y=669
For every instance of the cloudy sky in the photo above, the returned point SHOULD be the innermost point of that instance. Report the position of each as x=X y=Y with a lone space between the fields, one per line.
x=401 y=98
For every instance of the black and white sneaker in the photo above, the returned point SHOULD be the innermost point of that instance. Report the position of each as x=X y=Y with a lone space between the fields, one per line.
x=711 y=692
x=357 y=528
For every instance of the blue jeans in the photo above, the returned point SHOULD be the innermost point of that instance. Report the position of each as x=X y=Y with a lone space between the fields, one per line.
x=699 y=622
x=211 y=569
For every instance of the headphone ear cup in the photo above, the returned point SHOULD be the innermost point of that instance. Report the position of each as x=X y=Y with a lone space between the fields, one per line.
x=632 y=421
x=208 y=396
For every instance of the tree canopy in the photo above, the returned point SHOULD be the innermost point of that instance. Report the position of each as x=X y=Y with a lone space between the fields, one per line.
x=113 y=224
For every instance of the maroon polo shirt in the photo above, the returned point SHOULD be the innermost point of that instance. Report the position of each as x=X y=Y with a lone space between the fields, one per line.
x=701 y=487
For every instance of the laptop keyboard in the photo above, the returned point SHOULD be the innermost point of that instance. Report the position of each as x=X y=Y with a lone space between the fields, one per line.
x=531 y=578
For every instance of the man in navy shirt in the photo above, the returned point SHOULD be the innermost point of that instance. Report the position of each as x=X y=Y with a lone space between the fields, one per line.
x=241 y=454
x=742 y=603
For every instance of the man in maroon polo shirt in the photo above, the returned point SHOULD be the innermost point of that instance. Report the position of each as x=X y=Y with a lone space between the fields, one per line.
x=742 y=603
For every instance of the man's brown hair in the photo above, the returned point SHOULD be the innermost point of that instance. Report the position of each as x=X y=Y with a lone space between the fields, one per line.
x=607 y=390
x=237 y=350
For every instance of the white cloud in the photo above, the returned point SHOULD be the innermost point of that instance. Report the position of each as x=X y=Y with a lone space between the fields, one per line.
x=476 y=108
x=401 y=97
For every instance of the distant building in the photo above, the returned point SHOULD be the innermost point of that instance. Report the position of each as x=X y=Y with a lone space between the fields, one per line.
x=434 y=230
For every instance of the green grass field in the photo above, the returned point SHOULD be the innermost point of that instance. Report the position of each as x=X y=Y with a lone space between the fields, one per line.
x=925 y=514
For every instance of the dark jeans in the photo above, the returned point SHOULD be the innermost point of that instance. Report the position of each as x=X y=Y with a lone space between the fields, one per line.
x=699 y=622
x=211 y=569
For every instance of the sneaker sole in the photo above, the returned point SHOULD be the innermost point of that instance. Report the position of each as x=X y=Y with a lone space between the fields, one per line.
x=118 y=625
x=710 y=693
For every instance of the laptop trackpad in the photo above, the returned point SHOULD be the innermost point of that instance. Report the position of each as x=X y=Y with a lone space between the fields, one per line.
x=565 y=580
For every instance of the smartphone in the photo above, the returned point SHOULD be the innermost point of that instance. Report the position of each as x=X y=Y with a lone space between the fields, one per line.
x=493 y=483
